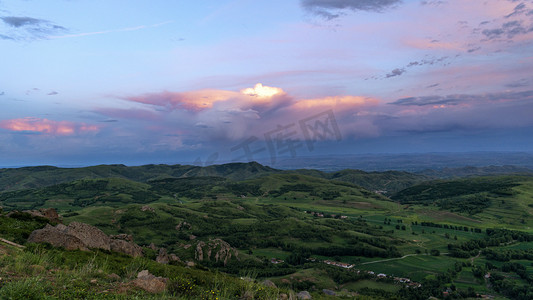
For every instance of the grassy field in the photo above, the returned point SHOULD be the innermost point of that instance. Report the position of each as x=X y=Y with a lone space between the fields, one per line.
x=294 y=216
x=415 y=267
x=371 y=284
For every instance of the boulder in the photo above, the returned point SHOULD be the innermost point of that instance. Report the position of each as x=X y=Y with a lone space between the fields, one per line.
x=56 y=237
x=81 y=236
x=147 y=208
x=182 y=225
x=174 y=257
x=304 y=295
x=269 y=283
x=126 y=247
x=190 y=264
x=152 y=246
x=47 y=213
x=150 y=283
x=216 y=249
x=329 y=292
x=91 y=236
x=162 y=258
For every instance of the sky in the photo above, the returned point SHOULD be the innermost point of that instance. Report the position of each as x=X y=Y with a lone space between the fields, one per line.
x=137 y=82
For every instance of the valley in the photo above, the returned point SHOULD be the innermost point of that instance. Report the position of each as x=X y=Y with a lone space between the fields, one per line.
x=302 y=230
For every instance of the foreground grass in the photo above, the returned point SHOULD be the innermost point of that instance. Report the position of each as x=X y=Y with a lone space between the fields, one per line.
x=39 y=272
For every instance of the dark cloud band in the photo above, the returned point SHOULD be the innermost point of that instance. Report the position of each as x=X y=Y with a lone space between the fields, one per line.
x=463 y=98
x=328 y=8
x=27 y=28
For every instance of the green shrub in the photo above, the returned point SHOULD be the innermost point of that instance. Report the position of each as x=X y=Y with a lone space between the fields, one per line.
x=28 y=289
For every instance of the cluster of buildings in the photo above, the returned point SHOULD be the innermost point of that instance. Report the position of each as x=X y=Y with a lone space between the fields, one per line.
x=321 y=215
x=276 y=261
x=401 y=280
x=338 y=264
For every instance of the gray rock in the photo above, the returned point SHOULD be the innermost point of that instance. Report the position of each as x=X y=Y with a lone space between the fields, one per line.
x=56 y=237
x=216 y=249
x=304 y=295
x=91 y=236
x=81 y=236
x=329 y=292
x=150 y=283
x=269 y=283
x=173 y=257
x=126 y=247
x=162 y=258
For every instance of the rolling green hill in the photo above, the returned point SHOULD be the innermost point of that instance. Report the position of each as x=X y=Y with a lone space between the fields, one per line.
x=296 y=228
x=37 y=177
x=504 y=200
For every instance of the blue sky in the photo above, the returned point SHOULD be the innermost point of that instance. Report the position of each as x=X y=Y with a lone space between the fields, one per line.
x=87 y=82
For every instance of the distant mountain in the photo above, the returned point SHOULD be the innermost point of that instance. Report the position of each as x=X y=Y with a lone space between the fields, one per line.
x=476 y=171
x=385 y=183
x=409 y=162
x=42 y=176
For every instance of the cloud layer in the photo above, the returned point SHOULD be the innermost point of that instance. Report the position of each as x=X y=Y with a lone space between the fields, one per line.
x=28 y=28
x=48 y=127
x=331 y=9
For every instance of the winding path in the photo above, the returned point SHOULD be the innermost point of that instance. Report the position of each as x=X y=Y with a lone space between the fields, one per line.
x=396 y=258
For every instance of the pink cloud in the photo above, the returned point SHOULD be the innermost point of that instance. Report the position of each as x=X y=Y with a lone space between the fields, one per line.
x=339 y=102
x=45 y=126
x=196 y=101
x=192 y=101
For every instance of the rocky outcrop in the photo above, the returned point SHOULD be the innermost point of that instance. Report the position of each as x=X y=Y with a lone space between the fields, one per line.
x=81 y=236
x=216 y=249
x=48 y=213
x=304 y=295
x=269 y=283
x=147 y=208
x=56 y=237
x=183 y=225
x=150 y=283
x=126 y=247
x=162 y=257
x=152 y=246
x=91 y=236
x=173 y=257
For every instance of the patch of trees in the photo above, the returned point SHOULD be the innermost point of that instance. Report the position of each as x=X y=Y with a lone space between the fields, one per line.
x=509 y=288
x=465 y=195
x=299 y=187
x=342 y=276
x=470 y=204
x=495 y=237
x=508 y=254
x=428 y=192
x=356 y=250
x=260 y=268
x=447 y=226
x=246 y=189
x=189 y=187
